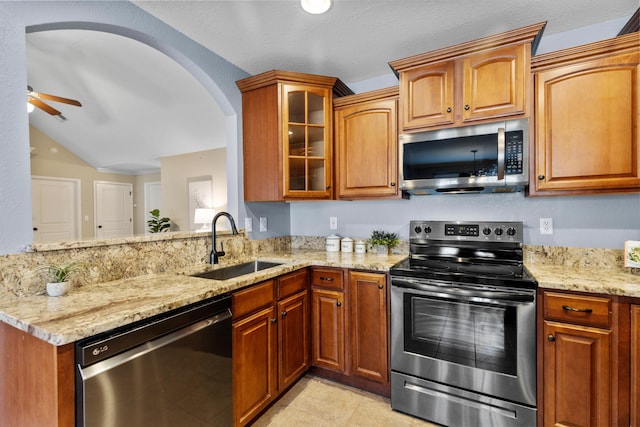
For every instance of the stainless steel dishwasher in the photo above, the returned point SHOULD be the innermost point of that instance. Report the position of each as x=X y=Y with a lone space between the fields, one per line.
x=171 y=370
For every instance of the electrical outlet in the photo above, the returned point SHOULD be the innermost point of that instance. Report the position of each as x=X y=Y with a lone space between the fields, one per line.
x=333 y=222
x=546 y=225
x=248 y=225
x=263 y=223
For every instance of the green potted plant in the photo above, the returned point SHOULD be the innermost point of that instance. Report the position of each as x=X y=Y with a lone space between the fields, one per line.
x=157 y=224
x=383 y=241
x=59 y=275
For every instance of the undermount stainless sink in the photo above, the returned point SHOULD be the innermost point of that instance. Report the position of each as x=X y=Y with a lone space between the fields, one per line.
x=237 y=270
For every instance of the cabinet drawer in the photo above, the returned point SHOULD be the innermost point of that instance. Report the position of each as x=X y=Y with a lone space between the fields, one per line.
x=578 y=309
x=251 y=299
x=292 y=283
x=327 y=278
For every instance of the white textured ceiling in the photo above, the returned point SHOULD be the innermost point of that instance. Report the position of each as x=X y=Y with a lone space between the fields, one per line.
x=131 y=116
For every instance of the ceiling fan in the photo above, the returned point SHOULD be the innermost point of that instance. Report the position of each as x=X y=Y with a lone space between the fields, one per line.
x=35 y=98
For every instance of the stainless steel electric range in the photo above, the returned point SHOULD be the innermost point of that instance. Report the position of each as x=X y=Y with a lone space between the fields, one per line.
x=463 y=329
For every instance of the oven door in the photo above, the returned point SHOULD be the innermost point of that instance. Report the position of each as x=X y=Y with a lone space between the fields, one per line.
x=476 y=338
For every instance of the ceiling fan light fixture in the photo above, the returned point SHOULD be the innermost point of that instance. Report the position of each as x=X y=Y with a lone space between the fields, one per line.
x=315 y=7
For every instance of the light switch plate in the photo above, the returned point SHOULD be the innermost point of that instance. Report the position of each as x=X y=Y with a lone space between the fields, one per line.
x=263 y=223
x=248 y=225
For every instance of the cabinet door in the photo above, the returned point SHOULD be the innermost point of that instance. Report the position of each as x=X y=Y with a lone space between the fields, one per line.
x=328 y=322
x=577 y=375
x=494 y=83
x=369 y=343
x=254 y=364
x=427 y=96
x=293 y=339
x=306 y=134
x=587 y=125
x=367 y=150
x=635 y=365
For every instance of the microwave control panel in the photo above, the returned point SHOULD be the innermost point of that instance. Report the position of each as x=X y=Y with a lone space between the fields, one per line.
x=514 y=148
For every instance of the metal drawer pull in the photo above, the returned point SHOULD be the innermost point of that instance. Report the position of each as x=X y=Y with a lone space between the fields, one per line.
x=577 y=310
x=327 y=279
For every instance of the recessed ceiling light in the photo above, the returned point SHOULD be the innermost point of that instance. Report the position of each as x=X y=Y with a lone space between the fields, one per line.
x=315 y=7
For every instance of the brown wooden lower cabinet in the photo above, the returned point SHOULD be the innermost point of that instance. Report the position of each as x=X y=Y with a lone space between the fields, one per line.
x=369 y=332
x=270 y=342
x=36 y=381
x=350 y=329
x=589 y=348
x=577 y=371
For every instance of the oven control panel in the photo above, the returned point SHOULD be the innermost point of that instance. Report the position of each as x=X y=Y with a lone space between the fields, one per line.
x=509 y=231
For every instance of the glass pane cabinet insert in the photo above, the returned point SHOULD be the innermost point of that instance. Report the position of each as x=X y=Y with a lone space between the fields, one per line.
x=307 y=168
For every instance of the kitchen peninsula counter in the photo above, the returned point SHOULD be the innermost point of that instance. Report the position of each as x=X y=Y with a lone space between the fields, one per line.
x=92 y=309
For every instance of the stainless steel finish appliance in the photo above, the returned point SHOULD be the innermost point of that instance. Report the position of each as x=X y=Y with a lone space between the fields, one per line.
x=172 y=370
x=486 y=158
x=463 y=326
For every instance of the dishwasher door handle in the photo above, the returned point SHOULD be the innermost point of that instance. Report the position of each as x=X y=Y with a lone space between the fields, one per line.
x=112 y=362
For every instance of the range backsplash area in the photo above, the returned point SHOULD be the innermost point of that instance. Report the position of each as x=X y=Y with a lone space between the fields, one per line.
x=135 y=256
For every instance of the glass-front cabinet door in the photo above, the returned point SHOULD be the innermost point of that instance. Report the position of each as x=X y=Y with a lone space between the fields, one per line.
x=307 y=141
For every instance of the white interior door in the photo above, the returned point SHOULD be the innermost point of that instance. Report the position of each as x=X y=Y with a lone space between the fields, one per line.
x=114 y=209
x=55 y=209
x=152 y=200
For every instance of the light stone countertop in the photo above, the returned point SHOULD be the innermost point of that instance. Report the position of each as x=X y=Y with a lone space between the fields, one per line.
x=608 y=281
x=92 y=309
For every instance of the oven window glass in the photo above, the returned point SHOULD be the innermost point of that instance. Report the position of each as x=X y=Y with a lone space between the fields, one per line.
x=480 y=336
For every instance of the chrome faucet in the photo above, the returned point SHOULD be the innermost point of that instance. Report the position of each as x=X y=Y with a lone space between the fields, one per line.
x=213 y=257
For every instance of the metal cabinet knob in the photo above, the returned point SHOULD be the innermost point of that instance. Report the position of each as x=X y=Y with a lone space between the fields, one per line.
x=393 y=184
x=284 y=313
x=448 y=109
x=466 y=107
x=274 y=320
x=540 y=177
x=338 y=303
x=551 y=338
x=380 y=286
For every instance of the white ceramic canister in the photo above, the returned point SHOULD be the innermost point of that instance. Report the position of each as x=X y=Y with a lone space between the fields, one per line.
x=346 y=245
x=333 y=243
x=361 y=247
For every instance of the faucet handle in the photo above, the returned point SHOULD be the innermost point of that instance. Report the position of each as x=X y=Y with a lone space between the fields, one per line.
x=221 y=252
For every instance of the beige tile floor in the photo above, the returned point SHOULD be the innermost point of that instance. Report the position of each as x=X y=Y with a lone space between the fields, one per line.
x=318 y=402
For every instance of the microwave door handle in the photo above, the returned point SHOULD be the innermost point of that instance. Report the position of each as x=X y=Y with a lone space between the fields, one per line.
x=501 y=153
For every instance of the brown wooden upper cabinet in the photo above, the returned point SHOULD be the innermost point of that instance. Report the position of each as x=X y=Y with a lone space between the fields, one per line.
x=287 y=133
x=481 y=80
x=366 y=139
x=587 y=118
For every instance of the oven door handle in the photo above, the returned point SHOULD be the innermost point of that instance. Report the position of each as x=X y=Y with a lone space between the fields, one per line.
x=461 y=293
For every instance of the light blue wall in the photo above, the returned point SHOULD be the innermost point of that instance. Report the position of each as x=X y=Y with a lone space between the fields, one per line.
x=579 y=221
x=216 y=74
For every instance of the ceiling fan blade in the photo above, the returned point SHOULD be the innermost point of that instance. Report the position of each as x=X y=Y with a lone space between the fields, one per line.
x=43 y=106
x=57 y=98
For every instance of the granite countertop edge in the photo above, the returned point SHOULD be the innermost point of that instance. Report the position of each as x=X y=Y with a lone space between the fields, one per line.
x=89 y=310
x=92 y=309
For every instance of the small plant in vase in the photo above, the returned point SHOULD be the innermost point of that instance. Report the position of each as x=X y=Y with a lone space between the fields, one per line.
x=59 y=275
x=383 y=241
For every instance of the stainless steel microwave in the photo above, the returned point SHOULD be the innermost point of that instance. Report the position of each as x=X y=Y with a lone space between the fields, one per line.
x=486 y=158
